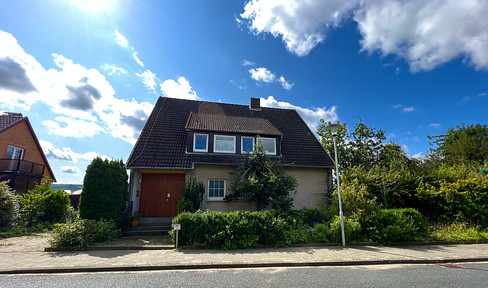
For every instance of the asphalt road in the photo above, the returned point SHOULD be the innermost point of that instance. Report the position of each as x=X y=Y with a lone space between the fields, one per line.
x=445 y=275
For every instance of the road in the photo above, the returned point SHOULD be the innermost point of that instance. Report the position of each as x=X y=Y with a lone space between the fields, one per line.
x=445 y=275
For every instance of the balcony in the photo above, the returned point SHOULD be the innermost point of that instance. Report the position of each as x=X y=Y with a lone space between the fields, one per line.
x=19 y=166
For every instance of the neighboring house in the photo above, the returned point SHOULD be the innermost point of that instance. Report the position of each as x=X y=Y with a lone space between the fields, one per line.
x=184 y=138
x=22 y=160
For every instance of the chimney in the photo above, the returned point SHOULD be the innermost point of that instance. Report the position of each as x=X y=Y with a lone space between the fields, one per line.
x=255 y=104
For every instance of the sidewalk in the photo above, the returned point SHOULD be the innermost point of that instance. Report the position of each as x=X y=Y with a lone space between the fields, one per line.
x=140 y=260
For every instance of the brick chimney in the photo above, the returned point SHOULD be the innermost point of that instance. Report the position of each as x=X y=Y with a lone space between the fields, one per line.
x=255 y=104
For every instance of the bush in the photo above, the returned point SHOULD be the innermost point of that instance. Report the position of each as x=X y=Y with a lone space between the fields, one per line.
x=192 y=194
x=396 y=225
x=105 y=191
x=9 y=205
x=352 y=230
x=241 y=229
x=45 y=204
x=83 y=232
x=457 y=232
x=465 y=200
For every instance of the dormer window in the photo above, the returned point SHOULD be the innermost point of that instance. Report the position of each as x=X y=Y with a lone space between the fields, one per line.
x=269 y=145
x=224 y=144
x=247 y=144
x=200 y=142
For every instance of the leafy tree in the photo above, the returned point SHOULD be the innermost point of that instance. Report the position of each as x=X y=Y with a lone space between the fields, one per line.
x=262 y=181
x=45 y=204
x=9 y=205
x=465 y=144
x=105 y=191
x=342 y=140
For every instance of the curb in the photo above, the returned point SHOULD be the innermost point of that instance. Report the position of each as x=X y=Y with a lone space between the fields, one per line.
x=304 y=245
x=239 y=265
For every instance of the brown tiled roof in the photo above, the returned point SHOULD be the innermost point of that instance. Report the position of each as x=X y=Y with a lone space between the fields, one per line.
x=162 y=142
x=233 y=124
x=8 y=119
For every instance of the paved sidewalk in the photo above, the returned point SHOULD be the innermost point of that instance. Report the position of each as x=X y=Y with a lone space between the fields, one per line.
x=138 y=260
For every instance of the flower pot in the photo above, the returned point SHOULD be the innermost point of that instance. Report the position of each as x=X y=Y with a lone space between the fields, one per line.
x=134 y=223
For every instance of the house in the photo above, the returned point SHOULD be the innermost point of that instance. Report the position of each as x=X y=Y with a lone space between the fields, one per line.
x=184 y=138
x=22 y=160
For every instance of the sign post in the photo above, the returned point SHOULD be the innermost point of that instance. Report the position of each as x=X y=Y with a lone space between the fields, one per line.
x=177 y=227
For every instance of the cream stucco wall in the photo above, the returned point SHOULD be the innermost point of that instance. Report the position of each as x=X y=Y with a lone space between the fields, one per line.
x=312 y=186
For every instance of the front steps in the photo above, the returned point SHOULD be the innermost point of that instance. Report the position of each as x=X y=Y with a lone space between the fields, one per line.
x=151 y=226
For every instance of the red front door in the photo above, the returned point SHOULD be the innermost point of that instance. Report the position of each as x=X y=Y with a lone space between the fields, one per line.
x=160 y=194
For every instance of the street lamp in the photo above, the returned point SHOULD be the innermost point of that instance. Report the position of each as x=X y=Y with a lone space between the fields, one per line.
x=334 y=128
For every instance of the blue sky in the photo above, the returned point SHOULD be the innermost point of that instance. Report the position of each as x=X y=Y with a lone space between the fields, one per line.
x=87 y=73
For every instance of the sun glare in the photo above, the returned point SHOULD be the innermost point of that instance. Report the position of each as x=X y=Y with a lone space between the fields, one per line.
x=95 y=5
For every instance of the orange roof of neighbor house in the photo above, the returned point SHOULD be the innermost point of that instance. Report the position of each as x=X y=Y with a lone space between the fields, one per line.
x=10 y=119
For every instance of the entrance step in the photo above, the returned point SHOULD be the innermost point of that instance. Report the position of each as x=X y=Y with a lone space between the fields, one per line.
x=151 y=226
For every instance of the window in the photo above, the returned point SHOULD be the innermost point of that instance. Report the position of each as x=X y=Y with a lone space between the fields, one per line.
x=216 y=189
x=247 y=144
x=14 y=152
x=269 y=145
x=200 y=142
x=225 y=144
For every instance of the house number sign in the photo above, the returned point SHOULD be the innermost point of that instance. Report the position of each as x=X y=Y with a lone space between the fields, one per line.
x=177 y=227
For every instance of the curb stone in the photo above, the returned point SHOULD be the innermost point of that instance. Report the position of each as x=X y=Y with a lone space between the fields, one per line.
x=240 y=265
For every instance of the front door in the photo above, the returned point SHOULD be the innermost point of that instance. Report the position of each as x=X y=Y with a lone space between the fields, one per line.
x=160 y=194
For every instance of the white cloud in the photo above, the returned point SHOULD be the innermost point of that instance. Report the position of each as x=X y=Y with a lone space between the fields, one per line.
x=262 y=74
x=112 y=69
x=405 y=148
x=408 y=109
x=134 y=55
x=482 y=94
x=121 y=40
x=301 y=24
x=148 y=79
x=311 y=116
x=424 y=33
x=247 y=63
x=286 y=85
x=398 y=106
x=180 y=89
x=434 y=125
x=70 y=169
x=67 y=154
x=82 y=99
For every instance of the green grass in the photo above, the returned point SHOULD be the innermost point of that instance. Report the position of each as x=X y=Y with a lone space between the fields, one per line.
x=21 y=229
x=457 y=232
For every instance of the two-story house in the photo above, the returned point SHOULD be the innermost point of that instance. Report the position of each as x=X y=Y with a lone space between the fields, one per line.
x=22 y=160
x=184 y=138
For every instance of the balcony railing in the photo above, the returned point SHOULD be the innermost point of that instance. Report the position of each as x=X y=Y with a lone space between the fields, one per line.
x=17 y=165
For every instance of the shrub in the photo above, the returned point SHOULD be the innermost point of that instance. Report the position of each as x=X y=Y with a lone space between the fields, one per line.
x=241 y=229
x=394 y=225
x=83 y=232
x=105 y=191
x=465 y=200
x=457 y=232
x=185 y=205
x=44 y=204
x=352 y=230
x=193 y=194
x=9 y=205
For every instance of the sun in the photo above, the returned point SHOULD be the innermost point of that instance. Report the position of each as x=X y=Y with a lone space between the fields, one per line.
x=95 y=5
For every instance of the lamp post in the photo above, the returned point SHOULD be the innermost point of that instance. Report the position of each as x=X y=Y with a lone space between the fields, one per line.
x=334 y=128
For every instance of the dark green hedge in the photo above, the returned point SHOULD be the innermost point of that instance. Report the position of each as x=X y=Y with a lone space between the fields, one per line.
x=396 y=225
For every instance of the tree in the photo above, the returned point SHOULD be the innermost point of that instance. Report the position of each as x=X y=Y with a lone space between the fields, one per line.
x=465 y=144
x=9 y=205
x=105 y=191
x=263 y=181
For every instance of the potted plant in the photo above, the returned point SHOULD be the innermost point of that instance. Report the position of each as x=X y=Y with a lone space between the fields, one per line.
x=134 y=219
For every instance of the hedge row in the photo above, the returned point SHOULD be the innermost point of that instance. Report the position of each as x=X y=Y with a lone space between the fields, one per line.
x=244 y=229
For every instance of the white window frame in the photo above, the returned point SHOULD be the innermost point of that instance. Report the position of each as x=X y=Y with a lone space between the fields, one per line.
x=15 y=150
x=223 y=151
x=242 y=144
x=208 y=190
x=195 y=142
x=274 y=144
